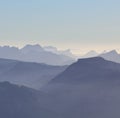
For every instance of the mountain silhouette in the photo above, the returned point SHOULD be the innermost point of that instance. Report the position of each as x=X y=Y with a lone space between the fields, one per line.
x=21 y=102
x=35 y=53
x=56 y=51
x=112 y=56
x=94 y=68
x=29 y=48
x=89 y=54
x=34 y=75
x=88 y=88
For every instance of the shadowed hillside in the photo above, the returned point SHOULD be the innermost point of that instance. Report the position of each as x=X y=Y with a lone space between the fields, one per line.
x=21 y=102
x=88 y=88
x=33 y=75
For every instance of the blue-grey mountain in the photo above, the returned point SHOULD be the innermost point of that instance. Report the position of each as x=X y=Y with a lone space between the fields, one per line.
x=111 y=56
x=88 y=88
x=36 y=53
x=21 y=102
x=34 y=75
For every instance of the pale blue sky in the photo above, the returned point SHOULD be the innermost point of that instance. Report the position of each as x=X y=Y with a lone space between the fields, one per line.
x=80 y=25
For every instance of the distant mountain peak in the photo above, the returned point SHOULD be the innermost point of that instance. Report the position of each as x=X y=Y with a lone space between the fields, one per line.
x=112 y=56
x=113 y=52
x=33 y=46
x=91 y=53
x=29 y=48
x=110 y=53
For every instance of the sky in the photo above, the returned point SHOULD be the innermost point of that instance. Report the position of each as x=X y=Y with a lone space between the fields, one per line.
x=79 y=25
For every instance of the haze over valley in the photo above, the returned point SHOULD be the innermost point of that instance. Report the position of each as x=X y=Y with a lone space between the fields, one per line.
x=88 y=88
x=59 y=59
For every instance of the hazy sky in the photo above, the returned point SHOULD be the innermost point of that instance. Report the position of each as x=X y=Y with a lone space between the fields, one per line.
x=80 y=25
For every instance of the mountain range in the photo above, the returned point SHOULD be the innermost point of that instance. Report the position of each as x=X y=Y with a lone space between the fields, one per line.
x=89 y=54
x=22 y=102
x=37 y=53
x=88 y=88
x=51 y=55
x=30 y=88
x=112 y=55
x=34 y=75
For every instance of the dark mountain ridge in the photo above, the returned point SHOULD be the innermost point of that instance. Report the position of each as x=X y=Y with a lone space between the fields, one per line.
x=88 y=88
x=90 y=68
x=34 y=75
x=21 y=102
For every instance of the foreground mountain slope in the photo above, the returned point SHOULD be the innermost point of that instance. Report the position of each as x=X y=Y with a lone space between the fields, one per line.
x=21 y=102
x=89 y=69
x=88 y=88
x=33 y=75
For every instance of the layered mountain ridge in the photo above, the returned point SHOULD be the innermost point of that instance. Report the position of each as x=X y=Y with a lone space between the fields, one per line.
x=36 y=53
x=34 y=75
x=88 y=88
